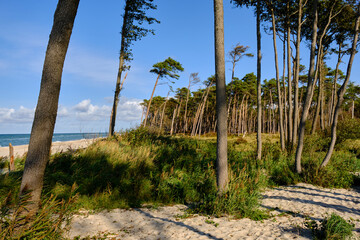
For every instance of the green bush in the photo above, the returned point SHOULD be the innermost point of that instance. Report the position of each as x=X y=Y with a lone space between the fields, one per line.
x=333 y=227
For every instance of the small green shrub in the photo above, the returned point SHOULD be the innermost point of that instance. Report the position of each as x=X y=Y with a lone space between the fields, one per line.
x=333 y=227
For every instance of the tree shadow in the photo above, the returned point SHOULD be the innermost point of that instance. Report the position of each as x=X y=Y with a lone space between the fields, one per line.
x=180 y=224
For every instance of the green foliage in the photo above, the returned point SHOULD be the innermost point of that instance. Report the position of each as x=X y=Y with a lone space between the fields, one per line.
x=333 y=227
x=132 y=30
x=347 y=129
x=167 y=68
x=47 y=223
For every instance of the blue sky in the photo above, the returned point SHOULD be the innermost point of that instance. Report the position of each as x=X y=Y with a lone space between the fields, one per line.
x=185 y=34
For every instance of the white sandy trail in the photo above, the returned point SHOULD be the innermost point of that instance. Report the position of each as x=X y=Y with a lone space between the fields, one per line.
x=295 y=201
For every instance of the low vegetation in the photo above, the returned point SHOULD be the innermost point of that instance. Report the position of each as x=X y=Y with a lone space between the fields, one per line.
x=141 y=166
x=331 y=227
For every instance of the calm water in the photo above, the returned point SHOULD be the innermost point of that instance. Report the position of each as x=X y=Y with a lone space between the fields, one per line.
x=23 y=139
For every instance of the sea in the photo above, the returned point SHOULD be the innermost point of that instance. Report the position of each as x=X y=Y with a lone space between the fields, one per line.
x=23 y=139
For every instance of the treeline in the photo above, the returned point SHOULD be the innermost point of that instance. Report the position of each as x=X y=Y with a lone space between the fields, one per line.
x=193 y=112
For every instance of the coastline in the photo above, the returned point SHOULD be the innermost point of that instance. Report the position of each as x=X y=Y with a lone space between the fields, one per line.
x=56 y=147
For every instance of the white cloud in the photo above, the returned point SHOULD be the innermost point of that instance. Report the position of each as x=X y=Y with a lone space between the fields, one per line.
x=22 y=115
x=87 y=111
x=83 y=115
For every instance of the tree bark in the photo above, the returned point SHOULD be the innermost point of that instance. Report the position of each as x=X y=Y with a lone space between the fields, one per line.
x=47 y=106
x=290 y=110
x=341 y=93
x=258 y=89
x=118 y=79
x=278 y=85
x=309 y=90
x=221 y=113
x=297 y=74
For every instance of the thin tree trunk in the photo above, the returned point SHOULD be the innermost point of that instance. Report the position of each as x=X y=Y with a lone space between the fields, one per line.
x=297 y=74
x=278 y=85
x=152 y=94
x=221 y=156
x=116 y=100
x=309 y=90
x=341 y=92
x=120 y=70
x=258 y=92
x=285 y=92
x=172 y=121
x=334 y=90
x=290 y=110
x=47 y=106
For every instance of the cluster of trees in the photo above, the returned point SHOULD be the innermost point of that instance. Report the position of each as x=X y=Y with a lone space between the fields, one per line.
x=193 y=112
x=329 y=27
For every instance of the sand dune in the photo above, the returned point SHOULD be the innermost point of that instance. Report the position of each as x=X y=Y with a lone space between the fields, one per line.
x=289 y=206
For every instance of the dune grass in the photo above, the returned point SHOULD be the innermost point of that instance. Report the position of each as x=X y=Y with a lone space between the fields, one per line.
x=142 y=167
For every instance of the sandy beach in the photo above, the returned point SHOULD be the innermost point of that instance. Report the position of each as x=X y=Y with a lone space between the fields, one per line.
x=288 y=205
x=55 y=147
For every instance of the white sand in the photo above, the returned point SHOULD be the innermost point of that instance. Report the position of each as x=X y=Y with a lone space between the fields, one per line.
x=292 y=204
x=55 y=147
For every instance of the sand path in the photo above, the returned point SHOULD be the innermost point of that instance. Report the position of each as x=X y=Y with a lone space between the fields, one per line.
x=291 y=205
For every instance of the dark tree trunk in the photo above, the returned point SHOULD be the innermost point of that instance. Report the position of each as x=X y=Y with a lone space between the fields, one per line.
x=47 y=106
x=221 y=111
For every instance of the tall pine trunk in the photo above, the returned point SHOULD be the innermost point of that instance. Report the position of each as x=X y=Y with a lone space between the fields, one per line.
x=258 y=89
x=309 y=90
x=278 y=85
x=221 y=113
x=120 y=70
x=47 y=106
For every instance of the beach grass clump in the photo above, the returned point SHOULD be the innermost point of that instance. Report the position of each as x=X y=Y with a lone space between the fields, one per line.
x=332 y=227
x=50 y=221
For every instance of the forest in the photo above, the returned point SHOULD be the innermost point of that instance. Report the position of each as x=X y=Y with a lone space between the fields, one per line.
x=212 y=146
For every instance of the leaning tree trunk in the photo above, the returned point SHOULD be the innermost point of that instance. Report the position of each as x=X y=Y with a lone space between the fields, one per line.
x=221 y=113
x=341 y=93
x=278 y=85
x=47 y=106
x=120 y=70
x=258 y=92
x=309 y=91
x=148 y=107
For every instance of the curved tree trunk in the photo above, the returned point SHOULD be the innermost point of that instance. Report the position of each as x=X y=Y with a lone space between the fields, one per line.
x=309 y=91
x=341 y=93
x=47 y=106
x=221 y=113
